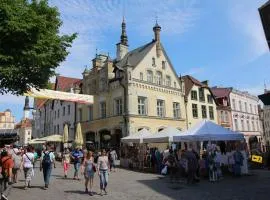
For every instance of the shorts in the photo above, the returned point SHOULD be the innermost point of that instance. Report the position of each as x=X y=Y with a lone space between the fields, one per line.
x=89 y=174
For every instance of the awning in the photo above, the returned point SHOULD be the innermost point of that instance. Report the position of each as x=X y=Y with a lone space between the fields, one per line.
x=137 y=137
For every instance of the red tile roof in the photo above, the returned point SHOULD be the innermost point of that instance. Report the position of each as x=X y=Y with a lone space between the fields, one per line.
x=65 y=83
x=189 y=82
x=221 y=92
x=25 y=123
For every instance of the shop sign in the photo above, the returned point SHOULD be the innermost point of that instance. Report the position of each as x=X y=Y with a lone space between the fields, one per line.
x=255 y=158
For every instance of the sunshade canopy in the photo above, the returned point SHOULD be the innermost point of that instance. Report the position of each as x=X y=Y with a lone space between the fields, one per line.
x=208 y=131
x=137 y=137
x=166 y=135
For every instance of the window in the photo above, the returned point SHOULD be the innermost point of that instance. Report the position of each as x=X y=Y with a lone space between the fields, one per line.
x=55 y=114
x=255 y=109
x=194 y=95
x=211 y=112
x=168 y=81
x=153 y=62
x=28 y=132
x=141 y=76
x=176 y=110
x=163 y=64
x=201 y=94
x=204 y=112
x=159 y=78
x=240 y=105
x=236 y=124
x=194 y=110
x=102 y=84
x=118 y=107
x=257 y=126
x=142 y=105
x=246 y=109
x=54 y=130
x=102 y=109
x=150 y=76
x=80 y=114
x=250 y=108
x=58 y=113
x=209 y=98
x=221 y=116
x=90 y=113
x=68 y=109
x=226 y=118
x=253 y=125
x=160 y=108
x=64 y=111
x=242 y=125
x=248 y=127
x=233 y=104
x=174 y=84
x=58 y=129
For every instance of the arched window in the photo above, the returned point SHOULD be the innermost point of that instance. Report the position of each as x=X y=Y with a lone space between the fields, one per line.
x=149 y=76
x=159 y=78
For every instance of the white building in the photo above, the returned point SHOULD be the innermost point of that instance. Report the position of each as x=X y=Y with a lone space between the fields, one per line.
x=51 y=116
x=245 y=115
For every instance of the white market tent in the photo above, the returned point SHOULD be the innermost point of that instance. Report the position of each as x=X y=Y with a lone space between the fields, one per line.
x=208 y=131
x=137 y=137
x=164 y=136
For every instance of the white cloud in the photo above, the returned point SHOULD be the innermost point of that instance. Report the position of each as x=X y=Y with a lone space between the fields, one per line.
x=254 y=90
x=14 y=100
x=245 y=18
x=93 y=19
x=194 y=71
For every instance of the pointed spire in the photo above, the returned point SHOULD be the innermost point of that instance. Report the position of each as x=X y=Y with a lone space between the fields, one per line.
x=26 y=103
x=124 y=38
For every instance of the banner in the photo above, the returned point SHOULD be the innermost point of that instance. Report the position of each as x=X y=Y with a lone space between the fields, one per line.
x=58 y=95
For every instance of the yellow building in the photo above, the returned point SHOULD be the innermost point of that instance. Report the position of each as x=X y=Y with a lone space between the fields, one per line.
x=199 y=102
x=7 y=120
x=139 y=89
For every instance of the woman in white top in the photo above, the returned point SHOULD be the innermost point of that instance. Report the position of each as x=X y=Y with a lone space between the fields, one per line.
x=27 y=164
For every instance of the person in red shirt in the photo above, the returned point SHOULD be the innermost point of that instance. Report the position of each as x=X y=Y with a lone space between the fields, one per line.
x=6 y=164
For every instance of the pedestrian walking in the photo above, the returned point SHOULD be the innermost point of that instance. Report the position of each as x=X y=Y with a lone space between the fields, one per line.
x=6 y=165
x=17 y=159
x=89 y=169
x=47 y=161
x=112 y=157
x=103 y=171
x=77 y=156
x=27 y=165
x=66 y=161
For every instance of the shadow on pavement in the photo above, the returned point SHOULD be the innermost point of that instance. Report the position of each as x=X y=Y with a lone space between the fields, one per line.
x=34 y=186
x=75 y=191
x=63 y=178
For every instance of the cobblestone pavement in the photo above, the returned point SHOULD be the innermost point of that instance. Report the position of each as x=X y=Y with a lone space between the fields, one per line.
x=129 y=185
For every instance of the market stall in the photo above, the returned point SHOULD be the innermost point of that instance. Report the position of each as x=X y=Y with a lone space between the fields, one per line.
x=165 y=136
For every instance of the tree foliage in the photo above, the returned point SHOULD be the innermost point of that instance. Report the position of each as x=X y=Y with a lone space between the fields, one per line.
x=31 y=47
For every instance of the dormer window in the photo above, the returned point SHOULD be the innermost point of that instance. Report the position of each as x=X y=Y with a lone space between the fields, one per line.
x=163 y=64
x=153 y=62
x=141 y=76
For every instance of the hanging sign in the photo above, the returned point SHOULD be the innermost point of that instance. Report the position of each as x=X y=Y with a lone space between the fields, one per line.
x=257 y=159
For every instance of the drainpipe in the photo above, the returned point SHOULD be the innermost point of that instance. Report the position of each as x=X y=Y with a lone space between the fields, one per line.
x=186 y=112
x=125 y=106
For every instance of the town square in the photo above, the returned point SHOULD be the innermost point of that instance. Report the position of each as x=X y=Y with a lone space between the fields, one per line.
x=123 y=99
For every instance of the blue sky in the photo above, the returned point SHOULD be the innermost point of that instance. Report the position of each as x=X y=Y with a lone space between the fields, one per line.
x=219 y=41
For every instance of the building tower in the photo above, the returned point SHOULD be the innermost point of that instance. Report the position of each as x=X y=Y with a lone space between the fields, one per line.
x=26 y=108
x=122 y=46
x=157 y=30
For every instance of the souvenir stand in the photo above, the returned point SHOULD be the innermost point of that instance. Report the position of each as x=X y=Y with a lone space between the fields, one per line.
x=133 y=150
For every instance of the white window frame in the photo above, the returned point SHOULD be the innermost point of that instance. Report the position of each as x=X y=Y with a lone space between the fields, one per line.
x=141 y=76
x=176 y=110
x=168 y=81
x=159 y=77
x=160 y=108
x=118 y=106
x=102 y=109
x=142 y=105
x=150 y=76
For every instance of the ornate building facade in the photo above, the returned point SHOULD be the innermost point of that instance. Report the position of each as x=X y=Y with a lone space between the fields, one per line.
x=199 y=102
x=138 y=89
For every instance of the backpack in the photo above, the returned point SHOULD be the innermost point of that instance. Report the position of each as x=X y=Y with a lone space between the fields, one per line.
x=46 y=160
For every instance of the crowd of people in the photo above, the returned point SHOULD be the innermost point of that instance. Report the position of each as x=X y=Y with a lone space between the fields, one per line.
x=86 y=163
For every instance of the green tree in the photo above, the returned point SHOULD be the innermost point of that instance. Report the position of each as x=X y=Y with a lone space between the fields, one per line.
x=31 y=47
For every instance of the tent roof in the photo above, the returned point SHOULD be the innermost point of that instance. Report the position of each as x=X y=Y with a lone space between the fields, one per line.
x=163 y=136
x=137 y=137
x=208 y=131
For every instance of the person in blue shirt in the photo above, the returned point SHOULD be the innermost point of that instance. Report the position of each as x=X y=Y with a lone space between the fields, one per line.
x=77 y=156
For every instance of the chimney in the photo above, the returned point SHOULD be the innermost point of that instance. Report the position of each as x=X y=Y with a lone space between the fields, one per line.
x=157 y=30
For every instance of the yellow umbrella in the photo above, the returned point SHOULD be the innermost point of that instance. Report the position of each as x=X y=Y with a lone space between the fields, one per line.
x=65 y=135
x=78 y=136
